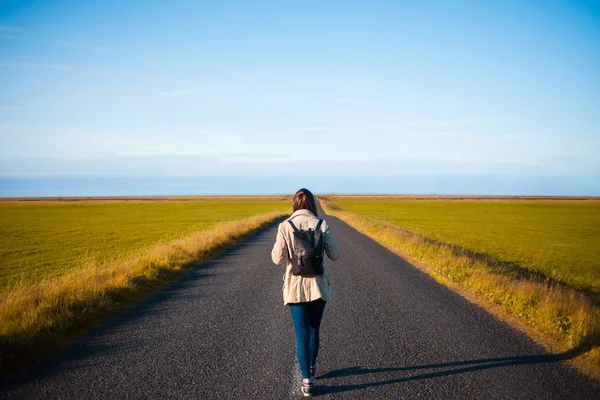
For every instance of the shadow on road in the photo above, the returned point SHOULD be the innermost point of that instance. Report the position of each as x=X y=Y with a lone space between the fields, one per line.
x=465 y=367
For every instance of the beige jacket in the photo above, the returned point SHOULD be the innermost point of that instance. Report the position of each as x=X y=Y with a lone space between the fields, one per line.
x=300 y=289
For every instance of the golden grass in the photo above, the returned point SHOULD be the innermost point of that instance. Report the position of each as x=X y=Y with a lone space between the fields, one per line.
x=558 y=317
x=37 y=318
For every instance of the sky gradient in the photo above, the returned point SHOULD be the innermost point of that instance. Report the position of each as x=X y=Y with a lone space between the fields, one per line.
x=306 y=92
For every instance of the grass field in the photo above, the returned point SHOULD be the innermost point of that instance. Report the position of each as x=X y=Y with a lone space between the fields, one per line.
x=559 y=239
x=46 y=239
x=533 y=262
x=67 y=265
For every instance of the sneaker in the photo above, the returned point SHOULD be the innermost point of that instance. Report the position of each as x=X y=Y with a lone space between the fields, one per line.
x=308 y=385
x=312 y=371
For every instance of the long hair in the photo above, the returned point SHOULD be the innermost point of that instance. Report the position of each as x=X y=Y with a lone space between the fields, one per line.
x=304 y=200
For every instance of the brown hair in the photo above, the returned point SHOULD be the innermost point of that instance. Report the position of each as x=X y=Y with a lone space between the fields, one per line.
x=304 y=200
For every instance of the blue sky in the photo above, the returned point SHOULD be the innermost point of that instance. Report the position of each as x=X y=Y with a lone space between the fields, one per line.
x=354 y=90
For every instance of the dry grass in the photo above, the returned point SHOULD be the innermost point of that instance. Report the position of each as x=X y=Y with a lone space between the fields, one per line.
x=559 y=317
x=39 y=317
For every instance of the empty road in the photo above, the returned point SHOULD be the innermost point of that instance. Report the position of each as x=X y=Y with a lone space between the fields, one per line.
x=222 y=332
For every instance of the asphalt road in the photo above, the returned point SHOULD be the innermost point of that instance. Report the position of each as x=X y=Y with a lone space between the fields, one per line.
x=390 y=332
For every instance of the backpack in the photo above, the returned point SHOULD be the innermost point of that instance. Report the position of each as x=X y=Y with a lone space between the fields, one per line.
x=307 y=250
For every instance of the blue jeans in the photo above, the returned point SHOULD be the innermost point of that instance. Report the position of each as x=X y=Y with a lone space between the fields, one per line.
x=307 y=320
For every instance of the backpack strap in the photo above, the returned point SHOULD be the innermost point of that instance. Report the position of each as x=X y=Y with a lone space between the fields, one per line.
x=321 y=244
x=301 y=234
x=293 y=226
x=306 y=236
x=319 y=225
x=297 y=230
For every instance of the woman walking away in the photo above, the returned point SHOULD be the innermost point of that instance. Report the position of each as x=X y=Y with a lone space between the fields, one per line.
x=302 y=241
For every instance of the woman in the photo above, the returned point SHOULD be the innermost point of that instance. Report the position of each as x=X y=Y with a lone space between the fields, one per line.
x=305 y=295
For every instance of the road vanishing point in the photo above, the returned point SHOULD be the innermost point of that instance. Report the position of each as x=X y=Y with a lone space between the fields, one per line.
x=222 y=332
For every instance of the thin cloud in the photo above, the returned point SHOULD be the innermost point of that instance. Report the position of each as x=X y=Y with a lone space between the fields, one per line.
x=7 y=109
x=180 y=92
x=257 y=155
x=74 y=68
x=255 y=158
x=26 y=129
x=445 y=123
x=8 y=36
x=149 y=78
x=505 y=137
x=34 y=65
x=310 y=129
x=347 y=100
x=81 y=46
x=452 y=134
x=224 y=140
x=518 y=138
x=381 y=126
x=10 y=32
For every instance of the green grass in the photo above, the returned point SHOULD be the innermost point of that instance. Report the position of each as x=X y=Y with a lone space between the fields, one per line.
x=47 y=239
x=88 y=259
x=559 y=239
x=487 y=249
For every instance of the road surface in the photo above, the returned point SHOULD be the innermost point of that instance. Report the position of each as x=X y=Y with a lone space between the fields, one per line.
x=222 y=332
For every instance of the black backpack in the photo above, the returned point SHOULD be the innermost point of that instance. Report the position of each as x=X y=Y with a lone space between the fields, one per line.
x=307 y=251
